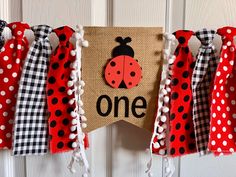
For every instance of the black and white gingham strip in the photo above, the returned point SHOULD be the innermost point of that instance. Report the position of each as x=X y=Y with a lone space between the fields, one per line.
x=30 y=130
x=2 y=39
x=203 y=75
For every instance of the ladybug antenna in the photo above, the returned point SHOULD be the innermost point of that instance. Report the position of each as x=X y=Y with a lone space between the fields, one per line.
x=120 y=40
x=127 y=40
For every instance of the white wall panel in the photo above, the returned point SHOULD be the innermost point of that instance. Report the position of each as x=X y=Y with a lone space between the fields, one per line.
x=139 y=12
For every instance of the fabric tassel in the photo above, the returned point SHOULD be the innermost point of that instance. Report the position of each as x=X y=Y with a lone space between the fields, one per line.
x=31 y=130
x=3 y=24
x=202 y=81
x=223 y=113
x=11 y=60
x=181 y=136
x=158 y=142
x=79 y=114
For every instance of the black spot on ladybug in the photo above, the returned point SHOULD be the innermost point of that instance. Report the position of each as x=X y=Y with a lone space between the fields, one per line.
x=186 y=98
x=177 y=126
x=50 y=92
x=113 y=82
x=67 y=64
x=61 y=56
x=175 y=81
x=65 y=121
x=186 y=50
x=54 y=101
x=180 y=64
x=182 y=138
x=132 y=74
x=172 y=151
x=118 y=72
x=130 y=83
x=62 y=37
x=109 y=73
x=180 y=109
x=55 y=65
x=51 y=80
x=185 y=74
x=172 y=116
x=113 y=64
x=181 y=150
x=58 y=113
x=174 y=95
x=53 y=124
x=60 y=145
x=62 y=89
x=60 y=133
x=181 y=40
x=65 y=100
x=131 y=64
x=172 y=138
x=187 y=126
x=123 y=48
x=184 y=86
x=185 y=116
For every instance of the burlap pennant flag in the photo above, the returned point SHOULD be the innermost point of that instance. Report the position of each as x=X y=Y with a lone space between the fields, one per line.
x=121 y=69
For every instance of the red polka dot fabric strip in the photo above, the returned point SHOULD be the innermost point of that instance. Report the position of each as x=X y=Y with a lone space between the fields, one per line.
x=181 y=134
x=11 y=61
x=223 y=112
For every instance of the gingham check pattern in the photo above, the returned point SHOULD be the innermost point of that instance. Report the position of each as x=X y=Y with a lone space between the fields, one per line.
x=2 y=39
x=202 y=79
x=31 y=131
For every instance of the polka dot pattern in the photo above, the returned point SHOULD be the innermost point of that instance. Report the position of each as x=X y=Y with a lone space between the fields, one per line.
x=223 y=113
x=10 y=73
x=182 y=139
x=60 y=119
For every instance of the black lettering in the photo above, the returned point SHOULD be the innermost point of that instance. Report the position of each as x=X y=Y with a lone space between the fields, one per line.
x=109 y=105
x=143 y=106
x=126 y=109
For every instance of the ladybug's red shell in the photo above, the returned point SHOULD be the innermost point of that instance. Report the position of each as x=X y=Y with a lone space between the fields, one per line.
x=123 y=72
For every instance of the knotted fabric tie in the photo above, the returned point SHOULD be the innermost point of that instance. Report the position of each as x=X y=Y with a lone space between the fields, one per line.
x=11 y=60
x=2 y=39
x=181 y=135
x=59 y=96
x=31 y=130
x=223 y=107
x=202 y=80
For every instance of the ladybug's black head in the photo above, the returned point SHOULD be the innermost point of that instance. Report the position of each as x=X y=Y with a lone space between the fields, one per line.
x=123 y=48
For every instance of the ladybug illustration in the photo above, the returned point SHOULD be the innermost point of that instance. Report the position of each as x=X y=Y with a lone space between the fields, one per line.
x=123 y=71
